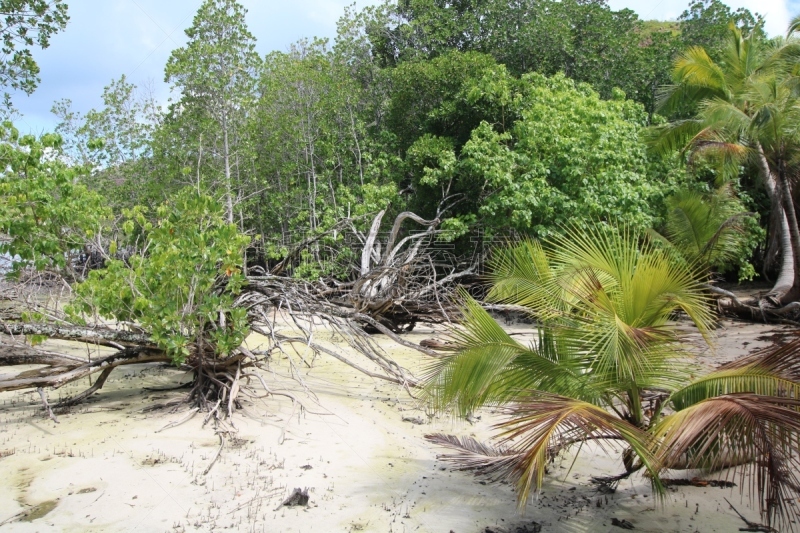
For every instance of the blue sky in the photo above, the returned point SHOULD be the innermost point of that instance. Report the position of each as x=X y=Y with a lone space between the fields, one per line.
x=105 y=39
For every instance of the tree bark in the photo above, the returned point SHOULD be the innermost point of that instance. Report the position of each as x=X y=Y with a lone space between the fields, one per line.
x=775 y=192
x=227 y=157
x=18 y=354
x=113 y=338
x=59 y=377
x=787 y=201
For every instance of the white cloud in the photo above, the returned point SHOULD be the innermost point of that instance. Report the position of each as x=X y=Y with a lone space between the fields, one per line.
x=104 y=40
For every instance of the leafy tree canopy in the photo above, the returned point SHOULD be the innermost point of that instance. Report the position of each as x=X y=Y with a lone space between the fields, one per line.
x=521 y=153
x=705 y=23
x=46 y=214
x=586 y=40
x=216 y=74
x=27 y=23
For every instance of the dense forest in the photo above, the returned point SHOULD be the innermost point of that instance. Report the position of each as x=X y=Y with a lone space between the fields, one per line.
x=361 y=181
x=498 y=118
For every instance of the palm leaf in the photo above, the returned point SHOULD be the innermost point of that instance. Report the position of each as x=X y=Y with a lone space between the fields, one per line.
x=673 y=136
x=521 y=274
x=624 y=292
x=746 y=432
x=538 y=427
x=706 y=229
x=794 y=26
x=695 y=68
x=749 y=379
x=717 y=142
x=488 y=367
x=780 y=360
x=723 y=116
x=471 y=454
x=547 y=422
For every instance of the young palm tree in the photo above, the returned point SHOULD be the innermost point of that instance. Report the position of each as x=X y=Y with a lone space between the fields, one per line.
x=706 y=229
x=608 y=364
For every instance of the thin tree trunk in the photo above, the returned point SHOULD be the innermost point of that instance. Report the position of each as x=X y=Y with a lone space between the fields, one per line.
x=227 y=157
x=794 y=232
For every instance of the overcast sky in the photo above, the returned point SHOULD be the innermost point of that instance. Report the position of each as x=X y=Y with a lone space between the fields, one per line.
x=106 y=39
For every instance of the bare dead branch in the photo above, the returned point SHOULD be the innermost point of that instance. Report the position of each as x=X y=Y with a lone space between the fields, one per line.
x=43 y=396
x=60 y=378
x=98 y=384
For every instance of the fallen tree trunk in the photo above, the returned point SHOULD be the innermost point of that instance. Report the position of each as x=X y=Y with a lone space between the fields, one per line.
x=100 y=336
x=763 y=309
x=59 y=376
x=13 y=354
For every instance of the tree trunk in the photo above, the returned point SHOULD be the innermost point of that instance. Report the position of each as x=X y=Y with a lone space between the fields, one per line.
x=787 y=200
x=775 y=191
x=227 y=157
x=113 y=338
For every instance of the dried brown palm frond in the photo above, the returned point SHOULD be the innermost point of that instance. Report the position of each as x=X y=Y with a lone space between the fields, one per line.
x=472 y=454
x=537 y=428
x=782 y=360
x=748 y=433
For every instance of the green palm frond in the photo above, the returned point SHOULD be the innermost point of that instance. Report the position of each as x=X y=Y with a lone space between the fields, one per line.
x=673 y=136
x=708 y=230
x=488 y=367
x=745 y=432
x=603 y=293
x=521 y=274
x=723 y=117
x=742 y=100
x=785 y=57
x=743 y=56
x=727 y=155
x=680 y=96
x=751 y=379
x=624 y=292
x=569 y=375
x=794 y=26
x=695 y=68
x=604 y=299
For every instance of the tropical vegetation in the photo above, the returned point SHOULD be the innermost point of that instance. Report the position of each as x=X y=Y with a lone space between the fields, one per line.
x=608 y=363
x=634 y=163
x=742 y=110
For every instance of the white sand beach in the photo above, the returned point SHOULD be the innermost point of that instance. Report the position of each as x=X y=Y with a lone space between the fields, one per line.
x=358 y=449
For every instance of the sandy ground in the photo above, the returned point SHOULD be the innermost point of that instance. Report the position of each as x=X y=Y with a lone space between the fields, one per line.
x=359 y=450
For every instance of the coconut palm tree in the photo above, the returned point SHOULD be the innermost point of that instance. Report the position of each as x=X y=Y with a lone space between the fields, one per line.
x=608 y=364
x=746 y=109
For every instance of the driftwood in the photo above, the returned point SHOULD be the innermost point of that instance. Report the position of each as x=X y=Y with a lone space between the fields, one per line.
x=761 y=309
x=399 y=280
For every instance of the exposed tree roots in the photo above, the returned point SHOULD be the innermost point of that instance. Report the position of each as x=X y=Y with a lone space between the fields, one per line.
x=767 y=308
x=400 y=280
